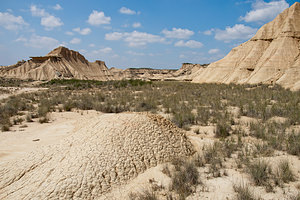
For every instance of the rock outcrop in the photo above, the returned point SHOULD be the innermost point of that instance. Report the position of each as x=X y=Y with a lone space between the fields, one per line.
x=188 y=70
x=271 y=56
x=142 y=74
x=110 y=150
x=59 y=63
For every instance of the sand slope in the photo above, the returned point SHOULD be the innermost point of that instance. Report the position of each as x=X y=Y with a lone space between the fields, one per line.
x=109 y=150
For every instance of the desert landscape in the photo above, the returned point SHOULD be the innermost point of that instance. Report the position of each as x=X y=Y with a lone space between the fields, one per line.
x=75 y=129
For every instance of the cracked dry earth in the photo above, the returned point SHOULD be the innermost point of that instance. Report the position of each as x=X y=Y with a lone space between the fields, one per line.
x=106 y=152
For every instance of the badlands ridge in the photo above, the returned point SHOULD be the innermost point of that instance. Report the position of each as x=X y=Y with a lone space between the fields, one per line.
x=272 y=56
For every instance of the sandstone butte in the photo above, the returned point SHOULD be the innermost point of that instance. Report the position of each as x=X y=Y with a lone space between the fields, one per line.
x=271 y=56
x=59 y=63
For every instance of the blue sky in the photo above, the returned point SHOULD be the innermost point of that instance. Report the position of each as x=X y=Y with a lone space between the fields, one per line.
x=132 y=33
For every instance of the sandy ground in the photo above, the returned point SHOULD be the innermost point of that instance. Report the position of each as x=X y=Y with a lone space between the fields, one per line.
x=20 y=141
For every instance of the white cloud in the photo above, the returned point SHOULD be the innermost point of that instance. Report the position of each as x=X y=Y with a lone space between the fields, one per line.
x=97 y=18
x=38 y=12
x=238 y=31
x=189 y=44
x=11 y=22
x=128 y=11
x=136 y=25
x=106 y=50
x=208 y=32
x=69 y=33
x=75 y=41
x=51 y=22
x=113 y=36
x=178 y=33
x=135 y=38
x=84 y=31
x=92 y=45
x=48 y=21
x=57 y=7
x=263 y=11
x=213 y=51
x=39 y=42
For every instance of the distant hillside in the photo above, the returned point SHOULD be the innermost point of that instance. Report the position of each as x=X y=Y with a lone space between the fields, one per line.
x=271 y=56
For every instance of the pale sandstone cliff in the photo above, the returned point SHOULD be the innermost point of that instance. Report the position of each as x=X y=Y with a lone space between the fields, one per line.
x=142 y=73
x=59 y=63
x=271 y=56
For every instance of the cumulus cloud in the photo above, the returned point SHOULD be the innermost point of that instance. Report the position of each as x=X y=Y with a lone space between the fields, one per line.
x=39 y=42
x=136 y=25
x=237 y=32
x=213 y=51
x=106 y=50
x=263 y=11
x=57 y=7
x=75 y=41
x=189 y=44
x=208 y=32
x=84 y=31
x=114 y=36
x=135 y=38
x=97 y=18
x=48 y=21
x=178 y=33
x=11 y=22
x=38 y=12
x=128 y=11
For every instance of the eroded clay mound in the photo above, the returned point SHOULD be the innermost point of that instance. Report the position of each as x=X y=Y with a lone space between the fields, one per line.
x=271 y=56
x=106 y=152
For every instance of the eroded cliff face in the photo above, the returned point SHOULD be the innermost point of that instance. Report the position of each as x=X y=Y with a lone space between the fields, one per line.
x=271 y=56
x=143 y=74
x=59 y=63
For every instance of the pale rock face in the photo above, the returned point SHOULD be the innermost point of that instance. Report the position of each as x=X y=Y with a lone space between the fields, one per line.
x=188 y=71
x=106 y=152
x=271 y=56
x=59 y=63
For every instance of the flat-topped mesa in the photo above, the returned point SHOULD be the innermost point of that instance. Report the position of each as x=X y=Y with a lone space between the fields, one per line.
x=272 y=56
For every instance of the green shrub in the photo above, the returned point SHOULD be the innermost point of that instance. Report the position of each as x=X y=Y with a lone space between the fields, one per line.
x=145 y=195
x=222 y=130
x=260 y=173
x=284 y=172
x=185 y=180
x=293 y=144
x=243 y=192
